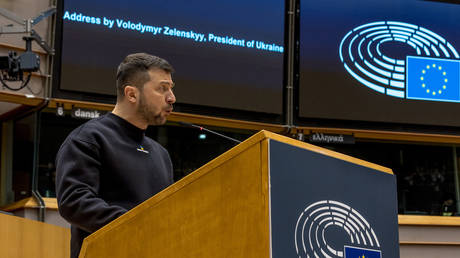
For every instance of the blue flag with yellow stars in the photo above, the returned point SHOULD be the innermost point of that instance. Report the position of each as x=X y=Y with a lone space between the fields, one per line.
x=356 y=252
x=433 y=79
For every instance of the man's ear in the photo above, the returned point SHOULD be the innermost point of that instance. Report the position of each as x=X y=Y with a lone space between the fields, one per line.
x=131 y=93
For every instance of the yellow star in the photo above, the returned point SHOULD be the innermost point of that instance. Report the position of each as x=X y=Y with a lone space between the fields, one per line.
x=445 y=80
x=434 y=93
x=444 y=86
x=423 y=85
x=440 y=67
x=434 y=65
x=421 y=78
x=439 y=91
x=423 y=71
x=427 y=67
x=427 y=91
x=444 y=73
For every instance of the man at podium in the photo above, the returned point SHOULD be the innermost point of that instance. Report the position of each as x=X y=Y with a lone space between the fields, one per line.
x=107 y=166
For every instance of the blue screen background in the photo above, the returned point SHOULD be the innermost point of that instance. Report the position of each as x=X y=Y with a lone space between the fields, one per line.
x=207 y=74
x=327 y=91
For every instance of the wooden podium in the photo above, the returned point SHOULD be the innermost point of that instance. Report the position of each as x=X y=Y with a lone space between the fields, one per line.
x=249 y=201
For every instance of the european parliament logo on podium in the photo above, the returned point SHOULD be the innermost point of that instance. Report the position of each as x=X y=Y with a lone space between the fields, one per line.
x=355 y=252
x=317 y=232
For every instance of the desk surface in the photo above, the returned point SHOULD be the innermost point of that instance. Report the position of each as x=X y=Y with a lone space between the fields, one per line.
x=403 y=220
x=30 y=202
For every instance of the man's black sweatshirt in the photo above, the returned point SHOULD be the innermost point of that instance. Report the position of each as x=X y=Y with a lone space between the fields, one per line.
x=104 y=168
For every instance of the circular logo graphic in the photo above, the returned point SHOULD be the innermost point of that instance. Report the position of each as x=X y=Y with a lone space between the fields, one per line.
x=363 y=58
x=318 y=220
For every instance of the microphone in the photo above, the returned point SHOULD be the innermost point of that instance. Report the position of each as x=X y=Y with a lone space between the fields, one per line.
x=207 y=130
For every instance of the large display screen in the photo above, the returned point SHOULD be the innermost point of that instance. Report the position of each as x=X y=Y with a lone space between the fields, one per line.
x=226 y=54
x=394 y=61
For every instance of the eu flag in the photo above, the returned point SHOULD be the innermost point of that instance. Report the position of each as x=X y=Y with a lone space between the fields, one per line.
x=356 y=252
x=433 y=79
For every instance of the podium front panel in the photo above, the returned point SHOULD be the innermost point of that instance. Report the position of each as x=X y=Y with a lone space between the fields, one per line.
x=324 y=205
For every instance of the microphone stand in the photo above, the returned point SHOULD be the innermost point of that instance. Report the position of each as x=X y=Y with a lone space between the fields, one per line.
x=209 y=131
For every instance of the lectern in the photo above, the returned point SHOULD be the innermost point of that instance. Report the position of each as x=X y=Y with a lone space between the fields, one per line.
x=270 y=196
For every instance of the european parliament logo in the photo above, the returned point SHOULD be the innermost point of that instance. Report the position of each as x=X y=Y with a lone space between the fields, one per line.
x=356 y=252
x=432 y=74
x=313 y=238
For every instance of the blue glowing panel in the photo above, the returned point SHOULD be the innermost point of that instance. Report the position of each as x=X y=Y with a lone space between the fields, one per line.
x=355 y=252
x=433 y=79
x=226 y=54
x=353 y=61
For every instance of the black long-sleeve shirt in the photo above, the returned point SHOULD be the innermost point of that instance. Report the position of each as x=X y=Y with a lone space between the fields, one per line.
x=104 y=168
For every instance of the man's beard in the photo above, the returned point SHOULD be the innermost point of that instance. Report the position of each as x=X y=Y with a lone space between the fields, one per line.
x=148 y=114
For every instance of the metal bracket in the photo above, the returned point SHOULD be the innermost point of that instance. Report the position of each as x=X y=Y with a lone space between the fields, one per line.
x=26 y=26
x=41 y=42
x=43 y=15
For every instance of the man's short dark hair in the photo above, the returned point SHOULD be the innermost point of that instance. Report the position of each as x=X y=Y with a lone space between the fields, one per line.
x=133 y=70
